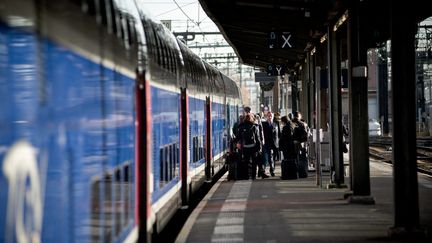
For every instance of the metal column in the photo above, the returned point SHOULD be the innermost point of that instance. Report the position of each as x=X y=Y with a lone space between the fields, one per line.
x=304 y=104
x=383 y=92
x=358 y=108
x=406 y=204
x=334 y=77
x=311 y=91
x=294 y=92
x=318 y=126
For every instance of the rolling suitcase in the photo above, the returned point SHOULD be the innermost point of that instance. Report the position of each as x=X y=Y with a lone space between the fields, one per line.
x=302 y=165
x=289 y=169
x=231 y=162
x=242 y=170
x=237 y=168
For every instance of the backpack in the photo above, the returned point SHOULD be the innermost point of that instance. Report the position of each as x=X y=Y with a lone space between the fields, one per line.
x=300 y=132
x=248 y=135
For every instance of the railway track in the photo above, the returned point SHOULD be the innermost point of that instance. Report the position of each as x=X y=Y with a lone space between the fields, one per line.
x=381 y=149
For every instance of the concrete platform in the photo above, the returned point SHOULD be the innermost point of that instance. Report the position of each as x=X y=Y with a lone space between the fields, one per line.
x=275 y=210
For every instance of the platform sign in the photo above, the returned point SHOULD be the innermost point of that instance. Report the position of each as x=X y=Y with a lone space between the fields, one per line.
x=280 y=40
x=272 y=40
x=275 y=70
x=167 y=23
x=286 y=40
x=263 y=77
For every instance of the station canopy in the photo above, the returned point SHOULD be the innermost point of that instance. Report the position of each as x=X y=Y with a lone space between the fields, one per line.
x=281 y=32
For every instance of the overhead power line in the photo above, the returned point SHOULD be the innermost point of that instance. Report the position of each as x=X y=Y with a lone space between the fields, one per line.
x=172 y=10
x=187 y=16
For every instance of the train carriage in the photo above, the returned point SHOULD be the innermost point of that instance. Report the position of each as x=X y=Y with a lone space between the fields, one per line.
x=108 y=123
x=195 y=77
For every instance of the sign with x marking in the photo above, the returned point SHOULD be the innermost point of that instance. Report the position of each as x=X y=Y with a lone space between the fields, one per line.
x=286 y=36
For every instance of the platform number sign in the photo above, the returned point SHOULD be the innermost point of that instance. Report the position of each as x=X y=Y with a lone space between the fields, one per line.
x=272 y=40
x=280 y=40
x=275 y=70
x=286 y=37
x=270 y=70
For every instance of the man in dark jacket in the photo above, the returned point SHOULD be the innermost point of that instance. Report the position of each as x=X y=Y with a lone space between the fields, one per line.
x=277 y=125
x=270 y=141
x=286 y=141
x=250 y=144
x=301 y=135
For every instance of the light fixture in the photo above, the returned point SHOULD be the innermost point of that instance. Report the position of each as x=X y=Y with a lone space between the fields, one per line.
x=341 y=20
x=323 y=38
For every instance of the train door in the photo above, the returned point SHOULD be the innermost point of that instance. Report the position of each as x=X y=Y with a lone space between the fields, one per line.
x=208 y=138
x=184 y=147
x=142 y=127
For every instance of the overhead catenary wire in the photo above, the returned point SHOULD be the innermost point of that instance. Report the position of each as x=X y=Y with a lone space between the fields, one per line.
x=187 y=16
x=172 y=10
x=194 y=22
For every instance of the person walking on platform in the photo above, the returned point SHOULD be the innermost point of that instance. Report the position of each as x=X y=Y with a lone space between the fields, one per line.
x=260 y=155
x=250 y=144
x=286 y=144
x=301 y=135
x=277 y=125
x=286 y=141
x=270 y=140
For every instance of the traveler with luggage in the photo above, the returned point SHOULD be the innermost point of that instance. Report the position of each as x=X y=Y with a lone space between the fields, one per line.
x=249 y=142
x=286 y=145
x=301 y=134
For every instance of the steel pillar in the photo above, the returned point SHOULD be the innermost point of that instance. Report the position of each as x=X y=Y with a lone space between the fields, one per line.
x=334 y=77
x=358 y=107
x=294 y=93
x=406 y=201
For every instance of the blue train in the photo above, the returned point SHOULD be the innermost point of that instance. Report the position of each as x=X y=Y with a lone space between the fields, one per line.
x=108 y=124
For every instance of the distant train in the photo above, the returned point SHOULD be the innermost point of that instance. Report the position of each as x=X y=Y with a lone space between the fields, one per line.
x=108 y=124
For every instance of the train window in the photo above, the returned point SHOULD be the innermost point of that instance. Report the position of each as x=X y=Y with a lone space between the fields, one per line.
x=177 y=160
x=166 y=61
x=198 y=156
x=95 y=210
x=176 y=57
x=158 y=48
x=111 y=17
x=127 y=186
x=164 y=57
x=170 y=162
x=201 y=147
x=161 y=166
x=195 y=149
x=166 y=164
x=101 y=12
x=107 y=207
x=125 y=31
x=88 y=7
x=173 y=161
x=117 y=23
x=151 y=40
x=131 y=35
x=192 y=73
x=169 y=64
x=171 y=57
x=118 y=201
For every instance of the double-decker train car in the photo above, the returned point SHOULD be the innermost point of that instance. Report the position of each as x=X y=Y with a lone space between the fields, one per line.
x=108 y=124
